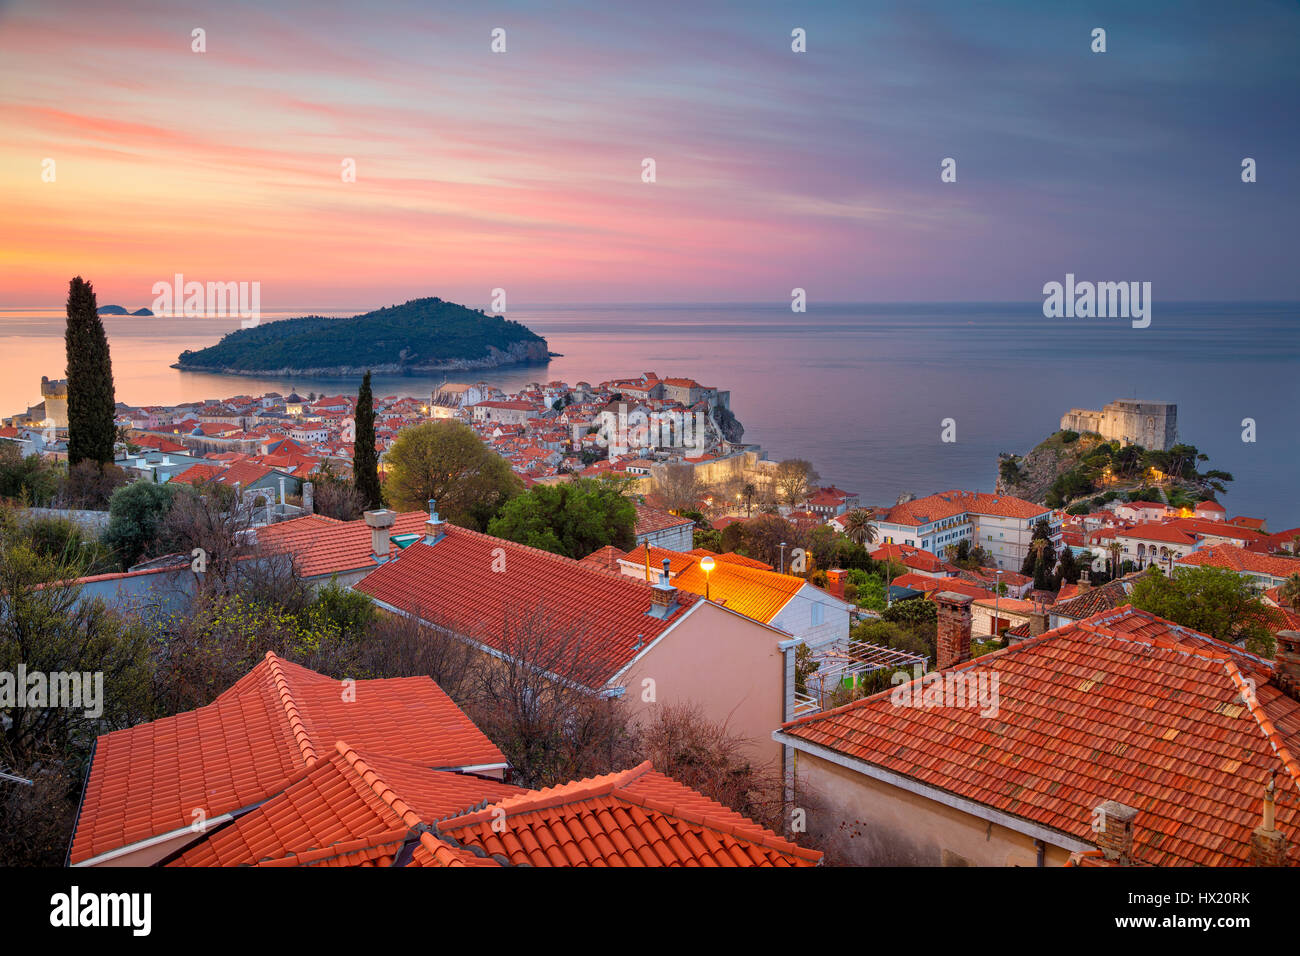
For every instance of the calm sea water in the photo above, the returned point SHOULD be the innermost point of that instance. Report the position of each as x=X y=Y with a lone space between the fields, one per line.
x=860 y=390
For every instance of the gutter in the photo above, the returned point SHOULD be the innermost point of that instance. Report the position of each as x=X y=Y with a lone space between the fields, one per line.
x=1036 y=831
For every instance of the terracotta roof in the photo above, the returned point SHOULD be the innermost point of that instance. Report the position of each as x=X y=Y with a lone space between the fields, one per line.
x=731 y=558
x=452 y=583
x=323 y=545
x=605 y=558
x=276 y=721
x=1241 y=560
x=649 y=520
x=1151 y=531
x=678 y=561
x=752 y=592
x=949 y=504
x=911 y=557
x=346 y=804
x=927 y=585
x=196 y=474
x=1100 y=597
x=636 y=817
x=1121 y=706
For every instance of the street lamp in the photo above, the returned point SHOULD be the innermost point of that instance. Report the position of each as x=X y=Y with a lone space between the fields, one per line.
x=706 y=566
x=783 y=557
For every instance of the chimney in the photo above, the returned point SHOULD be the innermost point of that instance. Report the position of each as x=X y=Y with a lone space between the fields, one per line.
x=954 y=629
x=1267 y=844
x=379 y=522
x=308 y=499
x=435 y=527
x=1114 y=823
x=1038 y=620
x=835 y=579
x=1286 y=663
x=1084 y=583
x=663 y=596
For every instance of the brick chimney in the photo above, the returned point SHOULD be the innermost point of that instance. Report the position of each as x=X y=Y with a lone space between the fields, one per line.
x=663 y=596
x=954 y=628
x=1286 y=663
x=379 y=522
x=435 y=527
x=1267 y=843
x=835 y=579
x=1038 y=620
x=1115 y=833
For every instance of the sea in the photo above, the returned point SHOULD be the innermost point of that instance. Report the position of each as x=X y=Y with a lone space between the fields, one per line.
x=866 y=392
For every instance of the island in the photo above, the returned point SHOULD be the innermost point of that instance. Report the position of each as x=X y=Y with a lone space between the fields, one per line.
x=119 y=310
x=422 y=335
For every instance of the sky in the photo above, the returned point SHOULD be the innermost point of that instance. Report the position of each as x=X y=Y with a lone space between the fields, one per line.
x=523 y=170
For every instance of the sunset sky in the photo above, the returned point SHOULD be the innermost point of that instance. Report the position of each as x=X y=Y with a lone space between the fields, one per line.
x=522 y=170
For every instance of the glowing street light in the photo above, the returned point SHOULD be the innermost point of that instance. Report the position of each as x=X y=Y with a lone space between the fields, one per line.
x=706 y=566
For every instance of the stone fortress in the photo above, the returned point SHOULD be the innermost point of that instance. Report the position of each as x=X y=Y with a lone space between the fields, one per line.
x=1153 y=425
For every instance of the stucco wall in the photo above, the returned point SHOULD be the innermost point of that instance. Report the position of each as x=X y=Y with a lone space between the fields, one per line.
x=864 y=822
x=727 y=664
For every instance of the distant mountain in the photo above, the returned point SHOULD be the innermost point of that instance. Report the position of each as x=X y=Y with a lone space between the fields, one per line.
x=119 y=310
x=422 y=335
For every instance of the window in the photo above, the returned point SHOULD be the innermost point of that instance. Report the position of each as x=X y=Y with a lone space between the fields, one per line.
x=818 y=614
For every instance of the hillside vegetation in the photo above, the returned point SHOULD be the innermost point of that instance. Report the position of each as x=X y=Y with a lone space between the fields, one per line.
x=1083 y=471
x=420 y=335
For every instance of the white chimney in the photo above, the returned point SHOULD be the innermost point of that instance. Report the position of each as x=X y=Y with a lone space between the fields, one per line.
x=379 y=523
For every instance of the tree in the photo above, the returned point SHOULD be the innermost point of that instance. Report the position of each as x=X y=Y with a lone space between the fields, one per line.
x=30 y=480
x=365 y=459
x=336 y=497
x=1214 y=601
x=572 y=518
x=859 y=525
x=794 y=478
x=89 y=485
x=91 y=406
x=50 y=627
x=536 y=702
x=136 y=513
x=679 y=489
x=1069 y=569
x=680 y=741
x=444 y=460
x=748 y=492
x=1289 y=591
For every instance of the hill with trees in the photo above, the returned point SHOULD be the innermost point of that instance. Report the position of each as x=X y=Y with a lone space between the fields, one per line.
x=422 y=335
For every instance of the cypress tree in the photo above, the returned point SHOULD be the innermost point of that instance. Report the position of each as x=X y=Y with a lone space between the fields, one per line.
x=91 y=431
x=365 y=460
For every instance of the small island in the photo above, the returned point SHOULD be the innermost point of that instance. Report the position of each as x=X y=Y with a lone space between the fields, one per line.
x=120 y=310
x=422 y=335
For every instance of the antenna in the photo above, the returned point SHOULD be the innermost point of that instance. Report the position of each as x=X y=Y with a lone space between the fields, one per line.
x=15 y=779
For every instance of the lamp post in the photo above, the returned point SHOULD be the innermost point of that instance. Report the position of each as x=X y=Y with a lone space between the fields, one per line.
x=783 y=557
x=706 y=566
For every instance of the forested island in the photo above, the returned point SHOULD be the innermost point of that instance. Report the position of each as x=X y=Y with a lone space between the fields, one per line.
x=422 y=335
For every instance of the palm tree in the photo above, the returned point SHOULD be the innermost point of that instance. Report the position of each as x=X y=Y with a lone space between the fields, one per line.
x=859 y=526
x=749 y=493
x=1289 y=592
x=1115 y=548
